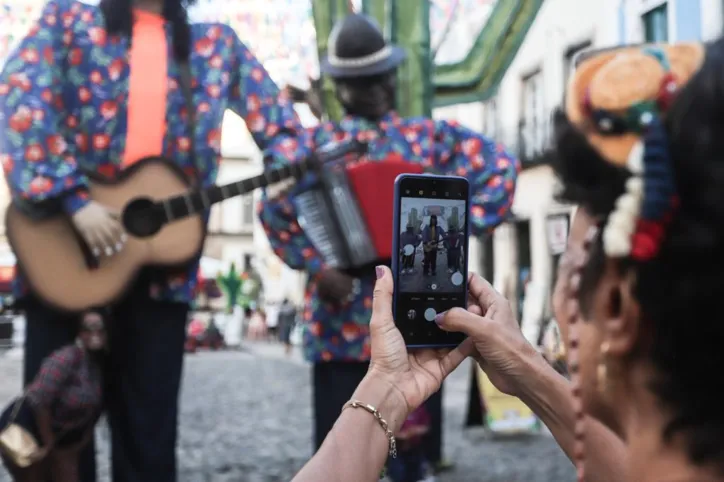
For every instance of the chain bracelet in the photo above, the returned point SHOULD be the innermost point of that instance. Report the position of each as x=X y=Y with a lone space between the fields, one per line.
x=383 y=423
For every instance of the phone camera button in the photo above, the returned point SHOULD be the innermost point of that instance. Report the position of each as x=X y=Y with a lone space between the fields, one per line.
x=430 y=314
x=411 y=314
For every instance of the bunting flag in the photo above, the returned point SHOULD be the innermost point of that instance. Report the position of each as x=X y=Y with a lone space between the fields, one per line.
x=16 y=18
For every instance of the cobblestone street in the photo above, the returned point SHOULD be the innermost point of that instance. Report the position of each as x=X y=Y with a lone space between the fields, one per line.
x=246 y=416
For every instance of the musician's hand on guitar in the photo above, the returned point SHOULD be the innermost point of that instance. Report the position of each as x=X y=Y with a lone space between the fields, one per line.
x=100 y=228
x=335 y=286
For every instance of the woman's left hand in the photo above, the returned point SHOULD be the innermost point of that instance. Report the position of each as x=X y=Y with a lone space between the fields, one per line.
x=415 y=375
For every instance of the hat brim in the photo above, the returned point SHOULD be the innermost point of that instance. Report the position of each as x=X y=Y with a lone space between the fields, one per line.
x=396 y=57
x=685 y=59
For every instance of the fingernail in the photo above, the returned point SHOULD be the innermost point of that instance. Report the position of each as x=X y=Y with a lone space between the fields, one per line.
x=440 y=317
x=109 y=251
x=119 y=247
x=96 y=252
x=124 y=238
x=380 y=272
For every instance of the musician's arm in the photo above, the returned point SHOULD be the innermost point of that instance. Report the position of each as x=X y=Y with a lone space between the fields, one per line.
x=268 y=111
x=491 y=169
x=39 y=162
x=279 y=218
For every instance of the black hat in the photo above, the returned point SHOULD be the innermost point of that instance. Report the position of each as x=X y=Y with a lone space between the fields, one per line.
x=357 y=48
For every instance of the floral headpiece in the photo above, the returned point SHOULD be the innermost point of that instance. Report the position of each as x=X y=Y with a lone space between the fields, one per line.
x=618 y=99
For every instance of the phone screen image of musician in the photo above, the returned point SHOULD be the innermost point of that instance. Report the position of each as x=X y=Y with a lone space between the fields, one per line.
x=432 y=245
x=431 y=264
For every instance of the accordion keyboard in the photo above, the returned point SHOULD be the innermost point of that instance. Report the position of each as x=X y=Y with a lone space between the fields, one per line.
x=315 y=218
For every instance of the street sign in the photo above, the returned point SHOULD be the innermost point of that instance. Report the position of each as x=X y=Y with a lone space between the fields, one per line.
x=557 y=231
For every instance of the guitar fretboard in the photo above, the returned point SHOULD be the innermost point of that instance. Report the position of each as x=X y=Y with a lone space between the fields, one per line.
x=193 y=203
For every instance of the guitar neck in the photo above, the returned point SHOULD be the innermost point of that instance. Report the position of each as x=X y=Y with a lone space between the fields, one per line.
x=179 y=207
x=191 y=203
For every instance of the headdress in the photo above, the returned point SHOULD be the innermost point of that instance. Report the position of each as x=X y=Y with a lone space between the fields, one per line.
x=618 y=99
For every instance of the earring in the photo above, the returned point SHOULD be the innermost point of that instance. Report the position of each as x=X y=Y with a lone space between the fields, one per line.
x=602 y=370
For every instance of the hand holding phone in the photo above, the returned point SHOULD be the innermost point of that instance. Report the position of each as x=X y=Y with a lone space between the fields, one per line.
x=431 y=240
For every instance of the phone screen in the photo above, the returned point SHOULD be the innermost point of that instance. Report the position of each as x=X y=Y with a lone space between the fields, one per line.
x=431 y=268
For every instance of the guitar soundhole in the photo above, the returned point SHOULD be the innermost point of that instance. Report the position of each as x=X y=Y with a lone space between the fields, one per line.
x=142 y=218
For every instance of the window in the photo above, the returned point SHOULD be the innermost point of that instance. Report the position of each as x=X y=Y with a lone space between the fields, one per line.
x=656 y=24
x=569 y=57
x=247 y=219
x=248 y=262
x=533 y=125
x=490 y=119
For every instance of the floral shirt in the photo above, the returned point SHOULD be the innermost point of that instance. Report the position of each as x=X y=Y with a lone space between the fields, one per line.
x=440 y=147
x=63 y=96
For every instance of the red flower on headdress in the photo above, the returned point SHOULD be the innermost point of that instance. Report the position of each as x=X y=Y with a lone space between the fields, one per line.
x=646 y=240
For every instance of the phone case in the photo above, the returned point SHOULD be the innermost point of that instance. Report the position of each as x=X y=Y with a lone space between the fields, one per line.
x=396 y=247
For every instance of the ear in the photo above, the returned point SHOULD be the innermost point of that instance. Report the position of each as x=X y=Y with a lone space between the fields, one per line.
x=618 y=310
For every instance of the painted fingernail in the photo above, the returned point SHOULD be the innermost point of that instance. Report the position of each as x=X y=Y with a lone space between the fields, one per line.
x=440 y=317
x=96 y=252
x=124 y=238
x=109 y=251
x=119 y=247
x=380 y=272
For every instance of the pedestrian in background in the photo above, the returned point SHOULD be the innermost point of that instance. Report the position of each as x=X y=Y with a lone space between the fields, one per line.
x=272 y=322
x=257 y=326
x=58 y=411
x=287 y=317
x=411 y=464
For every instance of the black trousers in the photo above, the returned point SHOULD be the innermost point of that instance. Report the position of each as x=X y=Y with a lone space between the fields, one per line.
x=453 y=258
x=146 y=339
x=334 y=384
x=429 y=262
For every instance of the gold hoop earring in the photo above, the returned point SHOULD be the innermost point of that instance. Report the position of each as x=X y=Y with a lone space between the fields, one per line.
x=602 y=369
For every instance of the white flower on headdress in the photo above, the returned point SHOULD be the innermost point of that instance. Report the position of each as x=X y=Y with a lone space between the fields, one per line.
x=621 y=224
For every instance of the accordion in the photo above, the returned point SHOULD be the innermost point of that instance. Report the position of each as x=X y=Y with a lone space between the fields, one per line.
x=347 y=213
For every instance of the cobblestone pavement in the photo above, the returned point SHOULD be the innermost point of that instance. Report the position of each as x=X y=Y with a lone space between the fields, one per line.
x=246 y=416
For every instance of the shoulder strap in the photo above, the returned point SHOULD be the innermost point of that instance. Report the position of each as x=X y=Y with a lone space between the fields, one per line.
x=186 y=82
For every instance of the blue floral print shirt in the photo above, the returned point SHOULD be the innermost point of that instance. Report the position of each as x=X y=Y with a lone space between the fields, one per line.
x=63 y=95
x=441 y=147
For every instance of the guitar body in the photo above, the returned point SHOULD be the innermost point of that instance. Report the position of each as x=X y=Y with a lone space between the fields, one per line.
x=51 y=256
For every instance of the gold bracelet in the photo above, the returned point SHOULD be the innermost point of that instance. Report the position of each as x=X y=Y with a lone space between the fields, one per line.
x=380 y=420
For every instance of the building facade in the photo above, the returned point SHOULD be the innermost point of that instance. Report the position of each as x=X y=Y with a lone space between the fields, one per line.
x=520 y=258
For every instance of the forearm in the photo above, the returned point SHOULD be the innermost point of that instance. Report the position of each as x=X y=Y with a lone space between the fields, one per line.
x=549 y=395
x=45 y=424
x=357 y=448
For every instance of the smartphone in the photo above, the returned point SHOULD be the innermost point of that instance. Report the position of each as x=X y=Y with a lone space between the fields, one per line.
x=429 y=255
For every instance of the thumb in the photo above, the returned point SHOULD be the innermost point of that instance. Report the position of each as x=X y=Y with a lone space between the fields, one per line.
x=462 y=321
x=382 y=318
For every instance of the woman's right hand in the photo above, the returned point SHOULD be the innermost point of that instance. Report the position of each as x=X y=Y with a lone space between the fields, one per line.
x=503 y=352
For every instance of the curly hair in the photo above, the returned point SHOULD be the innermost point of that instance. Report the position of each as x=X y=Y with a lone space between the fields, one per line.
x=118 y=15
x=682 y=288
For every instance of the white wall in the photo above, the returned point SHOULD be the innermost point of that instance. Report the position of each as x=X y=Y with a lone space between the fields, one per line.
x=712 y=12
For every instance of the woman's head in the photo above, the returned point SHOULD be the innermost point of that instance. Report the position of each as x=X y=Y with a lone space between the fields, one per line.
x=92 y=332
x=651 y=288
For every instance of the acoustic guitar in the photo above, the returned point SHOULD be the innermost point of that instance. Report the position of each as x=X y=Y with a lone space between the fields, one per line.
x=161 y=214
